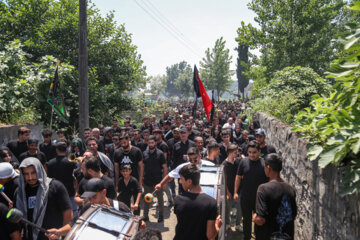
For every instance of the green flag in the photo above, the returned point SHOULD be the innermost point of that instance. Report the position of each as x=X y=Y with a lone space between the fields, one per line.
x=55 y=98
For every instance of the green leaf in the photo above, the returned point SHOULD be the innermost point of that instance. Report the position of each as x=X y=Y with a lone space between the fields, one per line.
x=355 y=147
x=314 y=151
x=327 y=156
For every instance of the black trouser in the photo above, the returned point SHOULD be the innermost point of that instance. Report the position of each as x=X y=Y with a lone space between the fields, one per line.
x=247 y=207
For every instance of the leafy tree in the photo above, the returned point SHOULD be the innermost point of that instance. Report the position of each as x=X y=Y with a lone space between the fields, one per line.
x=157 y=84
x=215 y=68
x=242 y=61
x=49 y=27
x=172 y=74
x=184 y=82
x=332 y=123
x=293 y=33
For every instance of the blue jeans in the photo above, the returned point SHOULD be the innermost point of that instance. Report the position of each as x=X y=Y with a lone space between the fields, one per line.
x=229 y=205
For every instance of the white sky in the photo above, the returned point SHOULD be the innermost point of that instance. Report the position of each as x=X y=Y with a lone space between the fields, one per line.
x=200 y=22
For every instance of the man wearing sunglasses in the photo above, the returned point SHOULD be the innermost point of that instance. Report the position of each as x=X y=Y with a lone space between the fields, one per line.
x=193 y=156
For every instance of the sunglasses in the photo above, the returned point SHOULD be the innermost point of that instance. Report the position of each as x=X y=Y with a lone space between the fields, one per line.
x=193 y=159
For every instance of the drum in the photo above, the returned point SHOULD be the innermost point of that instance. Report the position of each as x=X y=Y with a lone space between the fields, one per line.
x=212 y=182
x=101 y=222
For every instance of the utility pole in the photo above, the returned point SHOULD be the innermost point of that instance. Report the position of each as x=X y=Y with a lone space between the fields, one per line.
x=83 y=70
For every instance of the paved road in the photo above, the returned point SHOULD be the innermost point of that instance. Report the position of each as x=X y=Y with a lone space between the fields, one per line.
x=168 y=226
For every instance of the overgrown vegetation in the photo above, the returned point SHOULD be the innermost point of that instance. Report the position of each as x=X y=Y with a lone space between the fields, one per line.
x=332 y=124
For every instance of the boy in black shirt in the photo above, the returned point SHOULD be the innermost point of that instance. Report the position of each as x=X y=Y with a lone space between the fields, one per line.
x=129 y=187
x=275 y=203
x=47 y=147
x=33 y=151
x=230 y=168
x=195 y=211
x=265 y=148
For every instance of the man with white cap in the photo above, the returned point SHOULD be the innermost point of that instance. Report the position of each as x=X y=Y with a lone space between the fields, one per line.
x=9 y=180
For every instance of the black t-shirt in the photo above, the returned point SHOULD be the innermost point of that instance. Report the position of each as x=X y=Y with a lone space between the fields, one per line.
x=153 y=166
x=223 y=153
x=193 y=210
x=180 y=149
x=10 y=189
x=171 y=144
x=49 y=150
x=61 y=169
x=109 y=186
x=6 y=227
x=140 y=144
x=133 y=157
x=58 y=202
x=163 y=147
x=267 y=150
x=230 y=170
x=127 y=191
x=276 y=202
x=253 y=175
x=17 y=148
x=40 y=155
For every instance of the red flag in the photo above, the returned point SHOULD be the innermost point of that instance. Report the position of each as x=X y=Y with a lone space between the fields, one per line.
x=205 y=98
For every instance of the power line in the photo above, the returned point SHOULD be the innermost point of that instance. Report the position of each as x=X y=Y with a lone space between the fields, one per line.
x=166 y=28
x=172 y=26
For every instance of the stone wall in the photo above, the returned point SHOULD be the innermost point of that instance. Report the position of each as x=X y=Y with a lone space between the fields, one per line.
x=9 y=132
x=322 y=213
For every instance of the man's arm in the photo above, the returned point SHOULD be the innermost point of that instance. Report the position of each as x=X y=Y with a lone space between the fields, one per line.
x=78 y=200
x=163 y=182
x=67 y=216
x=55 y=233
x=16 y=235
x=141 y=172
x=213 y=227
x=236 y=188
x=165 y=168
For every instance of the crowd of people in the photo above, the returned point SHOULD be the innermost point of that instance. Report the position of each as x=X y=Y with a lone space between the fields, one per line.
x=56 y=181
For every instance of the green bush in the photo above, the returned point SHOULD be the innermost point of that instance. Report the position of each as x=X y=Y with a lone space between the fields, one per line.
x=299 y=83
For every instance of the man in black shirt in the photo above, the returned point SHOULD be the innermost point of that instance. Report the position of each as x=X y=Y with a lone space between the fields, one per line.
x=132 y=155
x=47 y=146
x=10 y=181
x=160 y=143
x=92 y=170
x=213 y=150
x=137 y=141
x=42 y=200
x=60 y=168
x=230 y=169
x=181 y=147
x=265 y=148
x=154 y=166
x=196 y=212
x=167 y=130
x=225 y=136
x=33 y=152
x=250 y=174
x=19 y=146
x=106 y=165
x=275 y=203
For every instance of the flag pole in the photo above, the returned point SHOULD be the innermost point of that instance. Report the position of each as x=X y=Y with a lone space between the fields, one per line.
x=51 y=119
